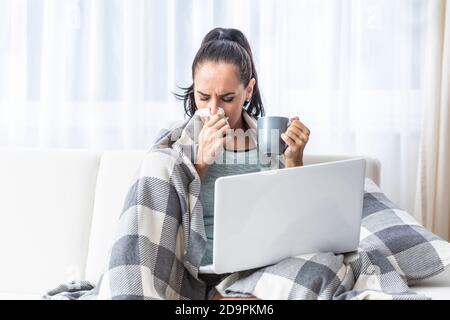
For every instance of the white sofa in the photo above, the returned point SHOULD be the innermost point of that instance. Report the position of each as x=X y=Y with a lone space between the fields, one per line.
x=59 y=209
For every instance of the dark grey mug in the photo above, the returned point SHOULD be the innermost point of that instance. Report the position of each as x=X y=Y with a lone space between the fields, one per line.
x=269 y=139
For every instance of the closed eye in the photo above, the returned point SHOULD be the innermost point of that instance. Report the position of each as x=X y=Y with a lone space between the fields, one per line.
x=223 y=99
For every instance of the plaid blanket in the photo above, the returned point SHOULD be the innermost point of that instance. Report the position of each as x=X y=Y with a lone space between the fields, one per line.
x=160 y=240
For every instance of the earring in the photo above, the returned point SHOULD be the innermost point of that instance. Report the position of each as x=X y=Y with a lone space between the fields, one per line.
x=247 y=103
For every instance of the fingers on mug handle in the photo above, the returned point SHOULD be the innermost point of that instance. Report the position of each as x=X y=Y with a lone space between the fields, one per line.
x=285 y=144
x=285 y=147
x=292 y=119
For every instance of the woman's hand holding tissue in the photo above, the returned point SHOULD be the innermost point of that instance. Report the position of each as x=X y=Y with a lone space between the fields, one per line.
x=211 y=141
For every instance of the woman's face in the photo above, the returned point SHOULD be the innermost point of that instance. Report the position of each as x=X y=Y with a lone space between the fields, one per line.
x=219 y=85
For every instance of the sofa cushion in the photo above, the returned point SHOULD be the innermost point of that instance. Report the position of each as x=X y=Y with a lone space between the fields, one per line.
x=19 y=296
x=46 y=203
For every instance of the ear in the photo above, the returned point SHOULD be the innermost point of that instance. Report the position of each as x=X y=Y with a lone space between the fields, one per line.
x=249 y=89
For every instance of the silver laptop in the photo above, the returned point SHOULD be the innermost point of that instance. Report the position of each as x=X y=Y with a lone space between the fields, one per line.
x=264 y=217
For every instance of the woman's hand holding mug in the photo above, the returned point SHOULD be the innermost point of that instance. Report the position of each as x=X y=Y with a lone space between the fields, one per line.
x=296 y=137
x=281 y=135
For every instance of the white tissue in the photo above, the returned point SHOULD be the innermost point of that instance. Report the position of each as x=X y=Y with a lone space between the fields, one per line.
x=204 y=112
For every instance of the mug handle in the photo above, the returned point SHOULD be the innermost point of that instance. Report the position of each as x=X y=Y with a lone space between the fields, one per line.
x=286 y=146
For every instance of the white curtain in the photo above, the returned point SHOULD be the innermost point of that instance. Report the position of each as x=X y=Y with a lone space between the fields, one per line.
x=100 y=73
x=433 y=187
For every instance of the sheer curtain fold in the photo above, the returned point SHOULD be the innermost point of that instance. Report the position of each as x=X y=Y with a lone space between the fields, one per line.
x=100 y=73
x=50 y=107
x=133 y=123
x=16 y=68
x=433 y=186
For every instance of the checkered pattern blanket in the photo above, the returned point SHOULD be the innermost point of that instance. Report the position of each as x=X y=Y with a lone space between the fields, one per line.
x=160 y=240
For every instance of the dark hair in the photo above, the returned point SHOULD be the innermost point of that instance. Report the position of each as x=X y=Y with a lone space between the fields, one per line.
x=229 y=46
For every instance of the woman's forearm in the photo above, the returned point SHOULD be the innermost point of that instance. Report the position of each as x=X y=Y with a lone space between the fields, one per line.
x=289 y=163
x=201 y=170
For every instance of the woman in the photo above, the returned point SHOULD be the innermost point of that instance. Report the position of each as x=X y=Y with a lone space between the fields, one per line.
x=224 y=78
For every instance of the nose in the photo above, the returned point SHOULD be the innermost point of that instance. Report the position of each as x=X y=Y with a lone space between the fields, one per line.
x=214 y=108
